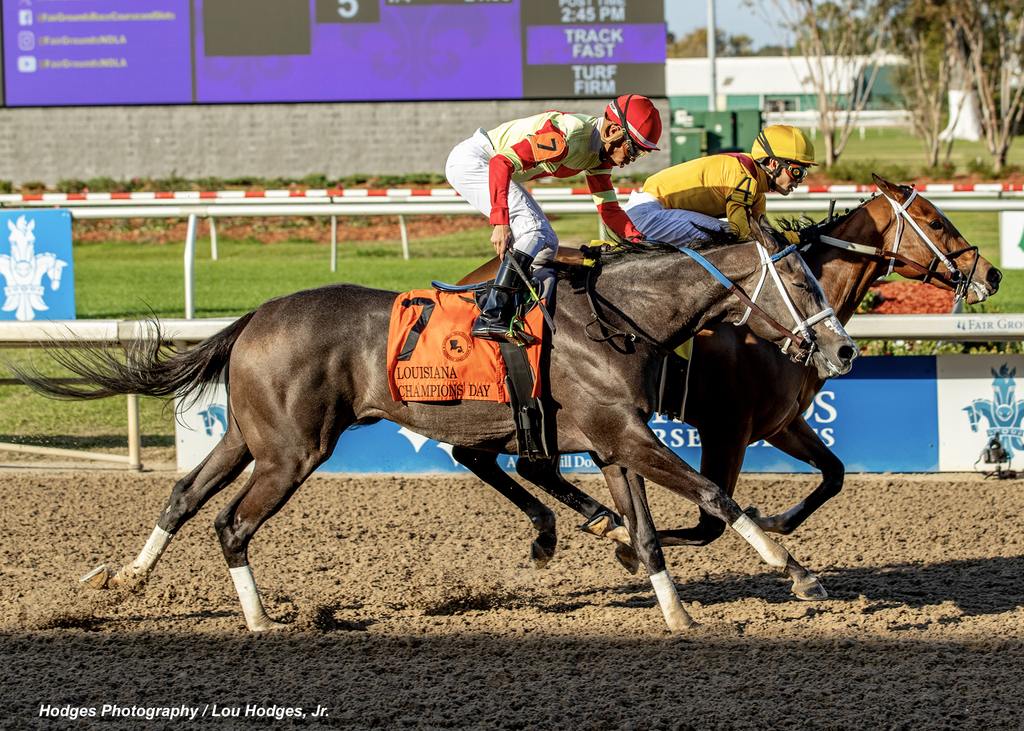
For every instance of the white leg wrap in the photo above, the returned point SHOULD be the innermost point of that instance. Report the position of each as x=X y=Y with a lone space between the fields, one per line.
x=256 y=618
x=676 y=617
x=773 y=554
x=151 y=552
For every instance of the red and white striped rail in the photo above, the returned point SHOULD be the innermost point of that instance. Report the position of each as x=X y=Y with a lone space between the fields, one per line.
x=339 y=195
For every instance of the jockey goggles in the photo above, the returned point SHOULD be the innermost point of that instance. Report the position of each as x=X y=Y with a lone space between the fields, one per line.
x=796 y=171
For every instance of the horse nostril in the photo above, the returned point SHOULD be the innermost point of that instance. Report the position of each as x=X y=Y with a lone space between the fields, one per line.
x=847 y=353
x=994 y=276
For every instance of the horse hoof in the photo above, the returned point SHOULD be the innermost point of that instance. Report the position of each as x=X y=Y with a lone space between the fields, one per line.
x=809 y=589
x=627 y=557
x=540 y=555
x=99 y=578
x=268 y=626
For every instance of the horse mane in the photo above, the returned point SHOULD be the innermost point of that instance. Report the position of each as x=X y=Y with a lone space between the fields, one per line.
x=713 y=239
x=810 y=229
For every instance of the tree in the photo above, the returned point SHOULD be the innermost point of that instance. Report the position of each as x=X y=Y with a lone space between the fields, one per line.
x=993 y=46
x=924 y=35
x=695 y=44
x=842 y=43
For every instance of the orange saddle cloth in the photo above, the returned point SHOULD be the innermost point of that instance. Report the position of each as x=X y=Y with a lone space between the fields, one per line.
x=432 y=356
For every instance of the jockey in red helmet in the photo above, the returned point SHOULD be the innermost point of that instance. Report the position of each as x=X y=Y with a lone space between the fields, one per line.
x=489 y=168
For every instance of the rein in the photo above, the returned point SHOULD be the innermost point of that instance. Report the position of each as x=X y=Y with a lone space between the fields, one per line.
x=956 y=280
x=799 y=334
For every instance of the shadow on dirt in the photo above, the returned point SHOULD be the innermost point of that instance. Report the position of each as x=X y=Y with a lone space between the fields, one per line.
x=975 y=586
x=697 y=680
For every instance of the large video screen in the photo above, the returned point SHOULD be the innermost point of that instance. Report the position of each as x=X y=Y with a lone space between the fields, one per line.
x=96 y=52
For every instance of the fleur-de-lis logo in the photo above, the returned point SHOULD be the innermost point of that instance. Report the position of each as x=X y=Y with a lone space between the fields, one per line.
x=1003 y=412
x=24 y=270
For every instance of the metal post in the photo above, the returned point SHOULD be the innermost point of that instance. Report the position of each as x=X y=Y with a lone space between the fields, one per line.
x=190 y=266
x=334 y=243
x=405 y=237
x=134 y=435
x=713 y=96
x=213 y=239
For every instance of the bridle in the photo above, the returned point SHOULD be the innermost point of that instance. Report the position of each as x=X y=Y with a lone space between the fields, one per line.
x=955 y=280
x=801 y=334
x=802 y=331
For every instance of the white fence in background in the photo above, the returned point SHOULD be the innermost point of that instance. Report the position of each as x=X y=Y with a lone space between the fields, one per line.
x=810 y=119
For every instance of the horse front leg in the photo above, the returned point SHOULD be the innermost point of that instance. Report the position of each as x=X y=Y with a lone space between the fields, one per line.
x=600 y=521
x=638 y=449
x=799 y=440
x=720 y=461
x=630 y=497
x=485 y=466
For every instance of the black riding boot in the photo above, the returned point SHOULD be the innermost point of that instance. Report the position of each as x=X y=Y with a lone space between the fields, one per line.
x=496 y=310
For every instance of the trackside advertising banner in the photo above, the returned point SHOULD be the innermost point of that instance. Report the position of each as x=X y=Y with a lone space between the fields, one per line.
x=899 y=414
x=36 y=265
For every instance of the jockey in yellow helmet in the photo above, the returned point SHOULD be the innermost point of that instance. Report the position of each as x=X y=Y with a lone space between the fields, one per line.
x=680 y=204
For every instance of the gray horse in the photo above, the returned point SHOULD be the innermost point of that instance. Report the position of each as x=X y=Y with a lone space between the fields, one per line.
x=305 y=367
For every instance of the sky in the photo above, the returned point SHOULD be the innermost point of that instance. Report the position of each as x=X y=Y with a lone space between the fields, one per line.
x=734 y=17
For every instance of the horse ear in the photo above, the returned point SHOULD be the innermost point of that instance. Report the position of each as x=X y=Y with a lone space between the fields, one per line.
x=994 y=373
x=890 y=189
x=10 y=225
x=32 y=225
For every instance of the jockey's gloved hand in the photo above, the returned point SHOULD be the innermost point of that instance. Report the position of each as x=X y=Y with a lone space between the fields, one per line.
x=793 y=237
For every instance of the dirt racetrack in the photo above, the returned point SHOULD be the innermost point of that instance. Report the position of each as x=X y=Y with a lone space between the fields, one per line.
x=414 y=604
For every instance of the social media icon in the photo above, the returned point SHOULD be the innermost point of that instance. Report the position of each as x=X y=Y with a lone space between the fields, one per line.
x=26 y=64
x=24 y=17
x=26 y=40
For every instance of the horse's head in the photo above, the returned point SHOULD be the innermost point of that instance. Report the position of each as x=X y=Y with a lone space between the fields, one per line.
x=22 y=239
x=799 y=317
x=925 y=245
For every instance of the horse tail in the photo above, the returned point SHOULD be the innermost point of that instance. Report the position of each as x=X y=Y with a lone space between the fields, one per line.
x=148 y=367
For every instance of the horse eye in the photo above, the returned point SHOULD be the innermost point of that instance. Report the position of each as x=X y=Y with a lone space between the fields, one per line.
x=936 y=224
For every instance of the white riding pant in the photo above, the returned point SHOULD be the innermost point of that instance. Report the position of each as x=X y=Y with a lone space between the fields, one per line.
x=669 y=225
x=468 y=173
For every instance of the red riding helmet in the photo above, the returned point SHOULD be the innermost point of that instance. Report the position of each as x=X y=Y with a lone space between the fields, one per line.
x=642 y=121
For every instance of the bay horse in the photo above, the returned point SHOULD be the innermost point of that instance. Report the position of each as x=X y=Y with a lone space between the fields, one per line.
x=304 y=367
x=741 y=390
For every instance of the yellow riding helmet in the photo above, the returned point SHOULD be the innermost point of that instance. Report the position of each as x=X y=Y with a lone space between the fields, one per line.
x=785 y=143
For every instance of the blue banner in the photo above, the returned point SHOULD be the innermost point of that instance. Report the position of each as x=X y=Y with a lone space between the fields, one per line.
x=858 y=416
x=36 y=265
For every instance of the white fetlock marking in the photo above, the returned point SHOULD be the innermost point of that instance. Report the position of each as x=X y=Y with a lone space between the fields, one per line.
x=151 y=552
x=676 y=617
x=252 y=606
x=773 y=554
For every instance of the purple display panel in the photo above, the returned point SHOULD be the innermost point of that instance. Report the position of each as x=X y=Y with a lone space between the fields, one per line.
x=575 y=44
x=449 y=51
x=66 y=52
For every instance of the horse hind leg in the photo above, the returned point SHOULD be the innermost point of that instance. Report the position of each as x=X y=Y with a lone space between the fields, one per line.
x=220 y=468
x=274 y=480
